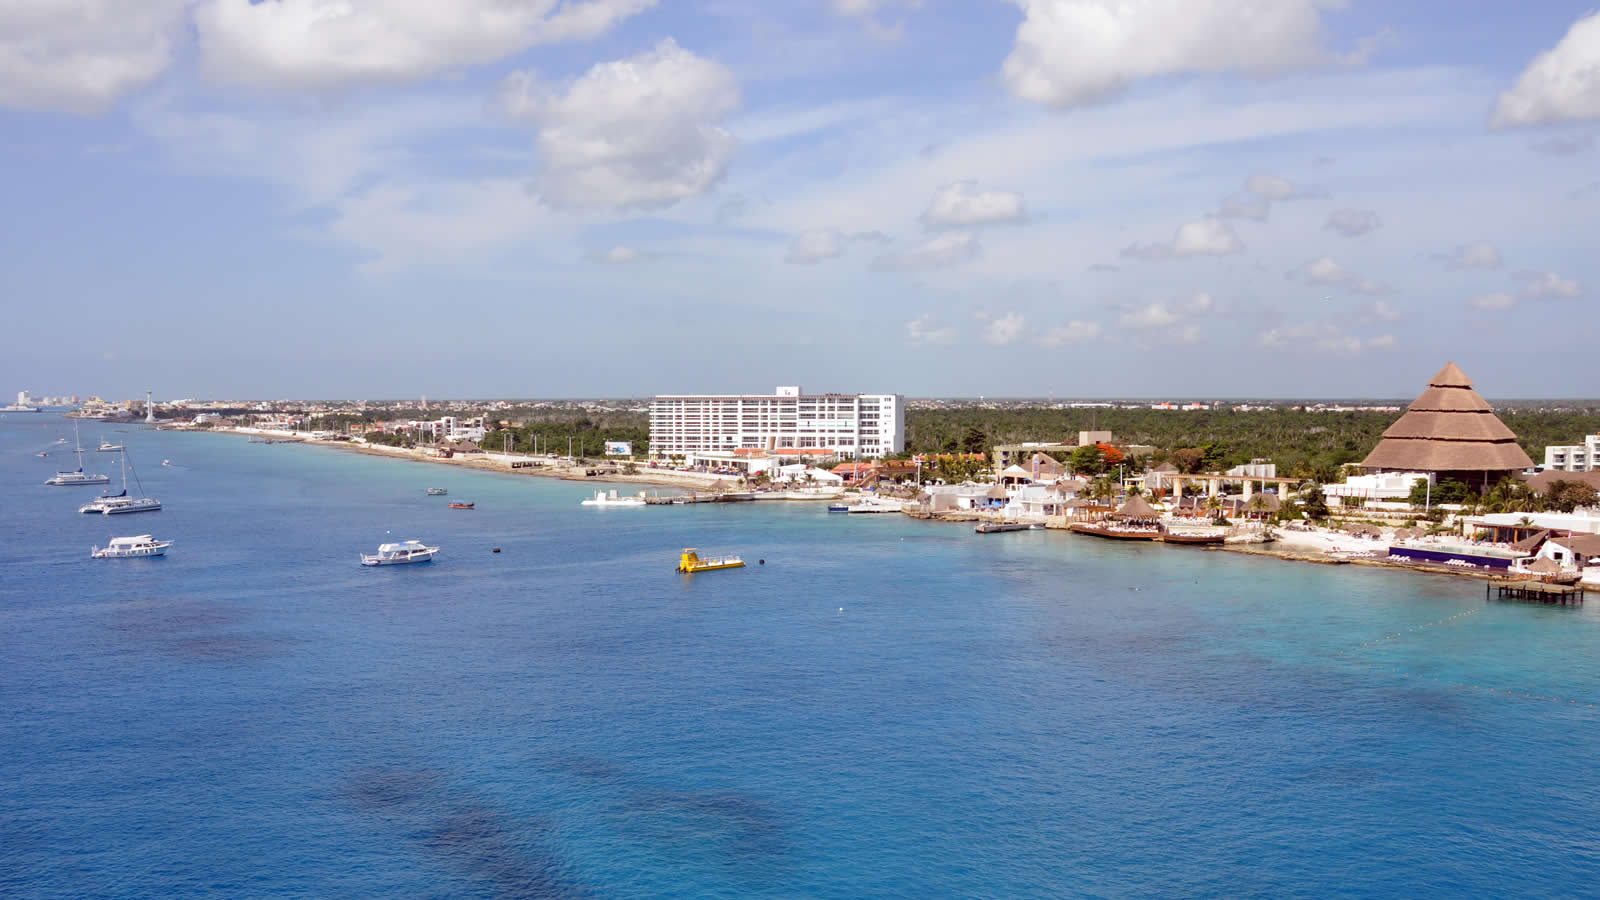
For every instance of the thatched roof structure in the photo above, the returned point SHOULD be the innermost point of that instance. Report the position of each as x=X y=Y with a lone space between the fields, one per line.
x=1531 y=543
x=1137 y=508
x=998 y=492
x=1544 y=565
x=1541 y=482
x=1450 y=428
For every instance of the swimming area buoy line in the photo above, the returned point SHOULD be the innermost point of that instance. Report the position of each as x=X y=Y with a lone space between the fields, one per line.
x=1352 y=654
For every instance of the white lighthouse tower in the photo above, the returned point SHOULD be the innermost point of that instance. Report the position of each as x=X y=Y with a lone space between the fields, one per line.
x=149 y=410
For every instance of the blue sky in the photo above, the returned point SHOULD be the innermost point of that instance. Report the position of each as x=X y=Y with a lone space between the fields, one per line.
x=342 y=198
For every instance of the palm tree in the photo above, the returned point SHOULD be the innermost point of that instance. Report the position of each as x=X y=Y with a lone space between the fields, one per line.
x=1258 y=504
x=1214 y=505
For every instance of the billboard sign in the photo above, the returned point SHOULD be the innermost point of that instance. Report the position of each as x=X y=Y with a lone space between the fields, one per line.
x=619 y=448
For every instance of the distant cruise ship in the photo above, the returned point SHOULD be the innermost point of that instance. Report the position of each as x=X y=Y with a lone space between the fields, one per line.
x=17 y=407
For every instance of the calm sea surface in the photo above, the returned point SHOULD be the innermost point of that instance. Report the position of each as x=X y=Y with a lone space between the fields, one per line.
x=886 y=708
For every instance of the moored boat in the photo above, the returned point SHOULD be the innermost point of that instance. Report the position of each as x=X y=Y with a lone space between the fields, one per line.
x=131 y=547
x=610 y=498
x=691 y=561
x=79 y=477
x=107 y=447
x=463 y=505
x=399 y=554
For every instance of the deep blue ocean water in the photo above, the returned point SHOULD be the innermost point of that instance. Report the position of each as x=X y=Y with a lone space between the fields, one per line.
x=886 y=708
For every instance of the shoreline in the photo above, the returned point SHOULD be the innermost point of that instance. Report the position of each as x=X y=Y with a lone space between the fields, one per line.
x=1286 y=548
x=493 y=462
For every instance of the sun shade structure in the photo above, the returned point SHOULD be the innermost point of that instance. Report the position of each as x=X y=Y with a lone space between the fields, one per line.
x=1137 y=508
x=1451 y=432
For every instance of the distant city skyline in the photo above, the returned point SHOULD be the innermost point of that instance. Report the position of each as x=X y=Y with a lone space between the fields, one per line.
x=619 y=198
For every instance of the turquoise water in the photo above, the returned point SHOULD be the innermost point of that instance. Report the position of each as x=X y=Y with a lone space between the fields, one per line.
x=885 y=708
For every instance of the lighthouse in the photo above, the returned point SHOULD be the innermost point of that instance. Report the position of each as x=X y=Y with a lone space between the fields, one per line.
x=149 y=410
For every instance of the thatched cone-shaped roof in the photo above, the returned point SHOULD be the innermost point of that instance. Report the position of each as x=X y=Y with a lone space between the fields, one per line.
x=1544 y=565
x=1137 y=508
x=1450 y=428
x=998 y=492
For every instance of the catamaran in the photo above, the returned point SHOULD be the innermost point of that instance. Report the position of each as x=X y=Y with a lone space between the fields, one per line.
x=116 y=504
x=67 y=479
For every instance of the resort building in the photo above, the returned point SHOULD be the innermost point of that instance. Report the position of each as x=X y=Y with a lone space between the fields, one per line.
x=1584 y=457
x=844 y=425
x=1451 y=433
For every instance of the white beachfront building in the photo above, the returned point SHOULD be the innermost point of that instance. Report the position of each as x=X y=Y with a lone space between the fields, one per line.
x=1584 y=457
x=843 y=425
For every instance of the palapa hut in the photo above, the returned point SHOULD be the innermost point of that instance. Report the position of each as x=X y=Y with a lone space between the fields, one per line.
x=1451 y=432
x=1136 y=508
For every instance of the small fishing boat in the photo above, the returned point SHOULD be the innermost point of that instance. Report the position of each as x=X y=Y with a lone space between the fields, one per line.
x=691 y=561
x=130 y=547
x=400 y=554
x=463 y=505
x=438 y=492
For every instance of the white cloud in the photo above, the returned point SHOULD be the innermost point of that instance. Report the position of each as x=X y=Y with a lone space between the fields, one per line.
x=1321 y=337
x=1208 y=237
x=963 y=204
x=1352 y=222
x=1004 y=330
x=1245 y=205
x=812 y=247
x=639 y=133
x=924 y=330
x=321 y=44
x=1324 y=271
x=618 y=255
x=1379 y=311
x=1073 y=332
x=1476 y=255
x=1550 y=286
x=1561 y=84
x=1270 y=187
x=82 y=56
x=1156 y=315
x=1075 y=52
x=938 y=251
x=1494 y=301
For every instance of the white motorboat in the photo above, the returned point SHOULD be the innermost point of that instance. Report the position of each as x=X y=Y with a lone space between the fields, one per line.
x=610 y=498
x=400 y=554
x=69 y=479
x=130 y=547
x=875 y=505
x=107 y=447
x=438 y=492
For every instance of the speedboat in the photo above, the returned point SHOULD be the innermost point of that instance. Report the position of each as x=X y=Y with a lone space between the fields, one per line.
x=604 y=498
x=691 y=561
x=129 y=547
x=400 y=554
x=438 y=492
x=107 y=447
x=166 y=462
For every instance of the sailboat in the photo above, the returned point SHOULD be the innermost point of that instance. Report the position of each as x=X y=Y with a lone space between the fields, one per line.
x=116 y=504
x=66 y=479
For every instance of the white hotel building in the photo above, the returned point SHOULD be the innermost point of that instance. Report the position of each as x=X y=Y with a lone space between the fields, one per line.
x=786 y=422
x=1584 y=457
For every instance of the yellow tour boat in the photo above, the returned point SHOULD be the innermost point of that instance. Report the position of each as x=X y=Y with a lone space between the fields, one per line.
x=692 y=562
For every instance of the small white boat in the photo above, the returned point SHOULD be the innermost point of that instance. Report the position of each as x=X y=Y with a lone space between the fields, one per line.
x=400 y=554
x=107 y=447
x=610 y=498
x=166 y=462
x=438 y=492
x=875 y=505
x=129 y=547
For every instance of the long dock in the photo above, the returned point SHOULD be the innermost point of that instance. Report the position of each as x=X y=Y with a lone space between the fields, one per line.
x=994 y=527
x=1528 y=589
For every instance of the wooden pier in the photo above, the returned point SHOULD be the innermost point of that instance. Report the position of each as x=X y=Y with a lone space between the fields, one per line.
x=994 y=527
x=1539 y=591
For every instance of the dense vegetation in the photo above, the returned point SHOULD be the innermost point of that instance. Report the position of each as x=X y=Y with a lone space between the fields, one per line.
x=1311 y=444
x=586 y=432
